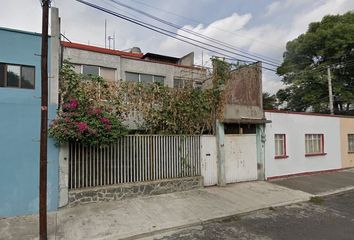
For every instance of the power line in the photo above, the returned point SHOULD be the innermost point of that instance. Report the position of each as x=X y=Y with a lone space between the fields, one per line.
x=163 y=31
x=264 y=58
x=198 y=22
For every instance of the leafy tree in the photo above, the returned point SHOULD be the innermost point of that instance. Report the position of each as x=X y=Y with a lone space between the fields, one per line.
x=269 y=101
x=304 y=69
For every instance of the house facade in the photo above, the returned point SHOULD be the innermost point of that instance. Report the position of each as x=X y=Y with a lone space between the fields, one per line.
x=114 y=65
x=20 y=91
x=301 y=143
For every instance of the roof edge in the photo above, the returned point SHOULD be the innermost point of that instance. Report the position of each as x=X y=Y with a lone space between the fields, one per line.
x=100 y=49
x=308 y=113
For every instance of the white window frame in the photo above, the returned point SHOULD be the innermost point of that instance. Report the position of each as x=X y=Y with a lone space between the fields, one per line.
x=99 y=69
x=351 y=143
x=280 y=146
x=153 y=76
x=314 y=144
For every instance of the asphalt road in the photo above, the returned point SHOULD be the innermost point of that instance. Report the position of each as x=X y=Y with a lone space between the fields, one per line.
x=333 y=219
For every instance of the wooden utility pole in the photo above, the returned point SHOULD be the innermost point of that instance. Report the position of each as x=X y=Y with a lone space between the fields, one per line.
x=330 y=93
x=44 y=125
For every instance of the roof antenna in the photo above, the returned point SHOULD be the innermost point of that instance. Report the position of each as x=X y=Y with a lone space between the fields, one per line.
x=105 y=33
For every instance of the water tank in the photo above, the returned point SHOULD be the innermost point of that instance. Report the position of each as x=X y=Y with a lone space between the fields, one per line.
x=135 y=50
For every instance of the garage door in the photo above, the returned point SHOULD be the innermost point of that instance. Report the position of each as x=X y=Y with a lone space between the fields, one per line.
x=240 y=158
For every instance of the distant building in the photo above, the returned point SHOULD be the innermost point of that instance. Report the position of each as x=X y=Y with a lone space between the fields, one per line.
x=114 y=65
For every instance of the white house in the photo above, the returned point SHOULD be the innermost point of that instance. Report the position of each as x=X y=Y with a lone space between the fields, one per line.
x=299 y=143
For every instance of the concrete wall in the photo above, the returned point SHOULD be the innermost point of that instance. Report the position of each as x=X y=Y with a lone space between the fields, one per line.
x=346 y=127
x=79 y=56
x=243 y=93
x=126 y=64
x=295 y=126
x=19 y=131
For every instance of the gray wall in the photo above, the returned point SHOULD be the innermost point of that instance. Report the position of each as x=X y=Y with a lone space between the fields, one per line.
x=125 y=64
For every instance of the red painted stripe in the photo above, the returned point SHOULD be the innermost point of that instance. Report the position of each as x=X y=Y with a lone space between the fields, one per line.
x=100 y=50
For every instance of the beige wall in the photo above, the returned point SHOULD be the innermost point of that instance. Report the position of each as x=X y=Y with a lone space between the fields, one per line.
x=347 y=127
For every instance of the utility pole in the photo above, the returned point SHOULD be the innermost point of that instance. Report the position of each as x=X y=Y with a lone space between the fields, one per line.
x=330 y=90
x=44 y=125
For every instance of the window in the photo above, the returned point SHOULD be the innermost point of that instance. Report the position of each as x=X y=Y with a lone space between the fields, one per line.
x=90 y=70
x=314 y=144
x=351 y=143
x=132 y=77
x=108 y=74
x=178 y=83
x=184 y=83
x=17 y=76
x=280 y=145
x=144 y=78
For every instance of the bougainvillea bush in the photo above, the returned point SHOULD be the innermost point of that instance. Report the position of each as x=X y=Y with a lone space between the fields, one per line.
x=89 y=126
x=85 y=116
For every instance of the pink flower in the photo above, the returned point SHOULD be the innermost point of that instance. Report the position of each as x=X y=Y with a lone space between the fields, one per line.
x=67 y=120
x=108 y=127
x=73 y=104
x=66 y=106
x=82 y=126
x=104 y=120
x=97 y=110
x=70 y=105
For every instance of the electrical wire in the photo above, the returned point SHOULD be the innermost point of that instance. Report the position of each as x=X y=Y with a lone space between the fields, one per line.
x=263 y=58
x=199 y=22
x=166 y=32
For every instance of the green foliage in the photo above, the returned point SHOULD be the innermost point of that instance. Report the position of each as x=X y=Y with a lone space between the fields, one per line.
x=165 y=110
x=326 y=43
x=83 y=116
x=316 y=200
x=269 y=101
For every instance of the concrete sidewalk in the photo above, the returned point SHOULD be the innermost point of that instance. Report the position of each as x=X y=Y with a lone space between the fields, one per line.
x=142 y=217
x=320 y=184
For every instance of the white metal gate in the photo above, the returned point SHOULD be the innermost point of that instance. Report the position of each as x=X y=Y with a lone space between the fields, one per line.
x=208 y=160
x=240 y=158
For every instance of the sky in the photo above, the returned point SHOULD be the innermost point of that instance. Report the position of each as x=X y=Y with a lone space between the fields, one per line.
x=259 y=27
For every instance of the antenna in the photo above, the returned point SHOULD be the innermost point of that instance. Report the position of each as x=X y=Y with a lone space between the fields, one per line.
x=109 y=41
x=105 y=33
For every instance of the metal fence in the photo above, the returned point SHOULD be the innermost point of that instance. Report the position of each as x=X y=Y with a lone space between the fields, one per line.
x=135 y=158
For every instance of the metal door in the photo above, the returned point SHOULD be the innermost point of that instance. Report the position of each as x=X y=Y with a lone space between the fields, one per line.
x=208 y=160
x=240 y=158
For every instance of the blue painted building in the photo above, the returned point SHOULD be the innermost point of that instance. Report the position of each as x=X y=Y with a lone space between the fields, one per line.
x=20 y=90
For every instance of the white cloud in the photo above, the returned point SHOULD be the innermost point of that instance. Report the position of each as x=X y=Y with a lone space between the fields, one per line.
x=272 y=8
x=302 y=20
x=264 y=34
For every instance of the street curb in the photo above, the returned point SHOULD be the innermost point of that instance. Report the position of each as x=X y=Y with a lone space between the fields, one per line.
x=200 y=222
x=333 y=192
